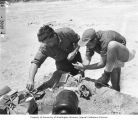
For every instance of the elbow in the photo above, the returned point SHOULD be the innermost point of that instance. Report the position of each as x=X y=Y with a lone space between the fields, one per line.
x=102 y=65
x=34 y=66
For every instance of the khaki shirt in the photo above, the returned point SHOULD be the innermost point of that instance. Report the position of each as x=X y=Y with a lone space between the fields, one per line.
x=103 y=39
x=67 y=38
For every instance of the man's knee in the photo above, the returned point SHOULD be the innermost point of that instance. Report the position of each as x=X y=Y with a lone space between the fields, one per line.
x=113 y=45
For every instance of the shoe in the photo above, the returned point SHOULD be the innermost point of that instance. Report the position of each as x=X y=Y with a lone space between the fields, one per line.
x=103 y=80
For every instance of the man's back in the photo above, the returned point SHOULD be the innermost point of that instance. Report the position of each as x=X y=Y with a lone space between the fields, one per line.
x=103 y=39
x=67 y=37
x=111 y=35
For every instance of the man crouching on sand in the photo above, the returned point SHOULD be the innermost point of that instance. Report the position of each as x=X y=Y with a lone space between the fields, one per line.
x=59 y=44
x=111 y=47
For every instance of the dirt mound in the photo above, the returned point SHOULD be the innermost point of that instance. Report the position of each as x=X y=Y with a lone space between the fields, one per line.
x=103 y=101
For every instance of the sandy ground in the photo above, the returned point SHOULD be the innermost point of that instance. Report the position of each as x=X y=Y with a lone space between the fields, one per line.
x=24 y=20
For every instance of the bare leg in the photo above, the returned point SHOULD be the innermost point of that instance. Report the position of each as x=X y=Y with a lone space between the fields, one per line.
x=116 y=51
x=115 y=78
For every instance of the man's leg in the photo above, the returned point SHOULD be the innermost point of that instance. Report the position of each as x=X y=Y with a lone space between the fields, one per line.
x=115 y=78
x=116 y=51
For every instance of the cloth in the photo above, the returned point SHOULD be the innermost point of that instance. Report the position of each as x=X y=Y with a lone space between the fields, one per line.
x=103 y=38
x=67 y=39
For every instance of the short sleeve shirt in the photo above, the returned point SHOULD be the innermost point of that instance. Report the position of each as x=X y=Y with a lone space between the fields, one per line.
x=104 y=37
x=67 y=38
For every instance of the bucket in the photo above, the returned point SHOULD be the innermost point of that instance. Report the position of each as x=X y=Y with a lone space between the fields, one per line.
x=66 y=103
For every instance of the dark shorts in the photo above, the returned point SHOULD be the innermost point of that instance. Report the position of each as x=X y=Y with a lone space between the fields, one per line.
x=67 y=66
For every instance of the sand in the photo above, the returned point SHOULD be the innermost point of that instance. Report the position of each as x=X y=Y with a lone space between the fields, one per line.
x=24 y=20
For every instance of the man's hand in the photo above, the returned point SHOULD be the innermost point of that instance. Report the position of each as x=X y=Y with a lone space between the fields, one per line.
x=71 y=55
x=78 y=66
x=30 y=85
x=78 y=76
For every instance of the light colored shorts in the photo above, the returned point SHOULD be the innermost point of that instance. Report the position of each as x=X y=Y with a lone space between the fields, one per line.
x=118 y=63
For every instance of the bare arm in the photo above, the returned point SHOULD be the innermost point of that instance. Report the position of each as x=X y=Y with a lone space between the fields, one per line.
x=73 y=53
x=88 y=56
x=98 y=65
x=33 y=71
x=87 y=60
x=36 y=63
x=76 y=47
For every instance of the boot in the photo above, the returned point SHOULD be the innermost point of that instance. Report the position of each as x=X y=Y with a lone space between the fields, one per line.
x=104 y=79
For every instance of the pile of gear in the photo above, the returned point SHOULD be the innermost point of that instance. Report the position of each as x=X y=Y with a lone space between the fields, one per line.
x=66 y=101
x=23 y=102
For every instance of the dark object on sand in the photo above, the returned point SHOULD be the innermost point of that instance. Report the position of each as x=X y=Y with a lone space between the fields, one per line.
x=52 y=82
x=26 y=104
x=18 y=103
x=6 y=102
x=66 y=103
x=85 y=92
x=4 y=90
x=95 y=81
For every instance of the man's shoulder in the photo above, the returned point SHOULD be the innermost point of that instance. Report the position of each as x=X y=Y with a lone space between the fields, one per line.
x=116 y=34
x=64 y=30
x=109 y=33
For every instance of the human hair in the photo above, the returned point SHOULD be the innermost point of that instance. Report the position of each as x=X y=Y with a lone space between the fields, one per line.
x=45 y=32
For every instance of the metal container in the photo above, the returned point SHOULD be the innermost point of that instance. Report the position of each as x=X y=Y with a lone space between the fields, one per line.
x=66 y=103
